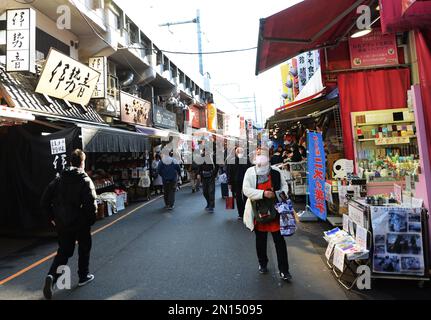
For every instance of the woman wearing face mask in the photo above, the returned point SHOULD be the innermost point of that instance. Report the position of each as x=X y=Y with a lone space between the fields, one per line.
x=263 y=183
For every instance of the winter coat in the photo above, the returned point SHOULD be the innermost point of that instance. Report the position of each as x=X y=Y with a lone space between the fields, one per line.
x=236 y=173
x=70 y=200
x=250 y=190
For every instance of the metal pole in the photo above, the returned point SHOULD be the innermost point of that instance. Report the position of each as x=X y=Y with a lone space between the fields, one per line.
x=199 y=31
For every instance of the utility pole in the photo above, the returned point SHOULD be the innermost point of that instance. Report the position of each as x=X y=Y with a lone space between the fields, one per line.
x=196 y=20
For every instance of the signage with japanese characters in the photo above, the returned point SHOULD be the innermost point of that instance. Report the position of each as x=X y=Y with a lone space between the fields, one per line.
x=135 y=110
x=21 y=40
x=100 y=64
x=316 y=174
x=392 y=140
x=374 y=49
x=164 y=118
x=68 y=79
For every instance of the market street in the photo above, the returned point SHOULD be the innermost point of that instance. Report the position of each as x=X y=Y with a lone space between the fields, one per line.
x=188 y=254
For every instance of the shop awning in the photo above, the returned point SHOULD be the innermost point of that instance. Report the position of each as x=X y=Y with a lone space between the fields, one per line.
x=404 y=15
x=18 y=89
x=105 y=139
x=306 y=26
x=10 y=116
x=301 y=102
x=304 y=110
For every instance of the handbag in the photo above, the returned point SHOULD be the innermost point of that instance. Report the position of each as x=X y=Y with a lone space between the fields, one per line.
x=230 y=203
x=264 y=210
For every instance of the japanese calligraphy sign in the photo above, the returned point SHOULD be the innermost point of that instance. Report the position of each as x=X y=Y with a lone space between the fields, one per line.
x=316 y=174
x=375 y=49
x=135 y=110
x=21 y=40
x=58 y=146
x=68 y=79
x=100 y=64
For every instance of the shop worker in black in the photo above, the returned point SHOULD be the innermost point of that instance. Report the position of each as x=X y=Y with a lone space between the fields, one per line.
x=70 y=204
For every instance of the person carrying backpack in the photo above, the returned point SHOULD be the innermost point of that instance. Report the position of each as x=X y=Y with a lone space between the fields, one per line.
x=262 y=185
x=69 y=201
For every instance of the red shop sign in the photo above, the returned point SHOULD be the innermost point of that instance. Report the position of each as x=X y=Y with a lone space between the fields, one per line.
x=372 y=50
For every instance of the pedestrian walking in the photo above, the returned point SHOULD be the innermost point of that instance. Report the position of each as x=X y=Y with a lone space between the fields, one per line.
x=262 y=184
x=70 y=204
x=236 y=172
x=157 y=179
x=195 y=178
x=224 y=186
x=169 y=170
x=208 y=172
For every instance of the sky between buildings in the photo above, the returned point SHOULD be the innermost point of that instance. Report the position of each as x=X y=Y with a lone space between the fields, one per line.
x=226 y=25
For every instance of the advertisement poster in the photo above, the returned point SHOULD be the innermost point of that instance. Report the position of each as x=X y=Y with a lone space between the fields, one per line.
x=316 y=174
x=374 y=49
x=398 y=245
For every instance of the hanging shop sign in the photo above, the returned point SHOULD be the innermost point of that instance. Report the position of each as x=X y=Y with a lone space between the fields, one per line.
x=100 y=64
x=197 y=117
x=21 y=40
x=373 y=50
x=250 y=129
x=398 y=243
x=135 y=110
x=68 y=79
x=164 y=118
x=212 y=117
x=316 y=174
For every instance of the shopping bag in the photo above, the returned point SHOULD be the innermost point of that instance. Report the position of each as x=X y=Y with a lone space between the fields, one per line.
x=230 y=202
x=287 y=218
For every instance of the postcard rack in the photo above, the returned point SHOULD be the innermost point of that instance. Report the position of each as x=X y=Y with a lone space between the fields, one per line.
x=348 y=276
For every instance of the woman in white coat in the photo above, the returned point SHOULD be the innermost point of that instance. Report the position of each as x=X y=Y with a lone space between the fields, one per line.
x=265 y=182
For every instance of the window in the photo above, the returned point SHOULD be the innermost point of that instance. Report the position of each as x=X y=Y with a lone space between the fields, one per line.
x=114 y=20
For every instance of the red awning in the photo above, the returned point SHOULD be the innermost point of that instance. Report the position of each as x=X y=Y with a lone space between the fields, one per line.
x=306 y=26
x=404 y=15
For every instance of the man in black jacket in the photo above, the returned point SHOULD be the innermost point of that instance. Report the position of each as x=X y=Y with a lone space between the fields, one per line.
x=236 y=172
x=208 y=172
x=70 y=204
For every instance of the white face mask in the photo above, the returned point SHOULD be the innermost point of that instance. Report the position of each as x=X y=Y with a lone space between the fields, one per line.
x=240 y=155
x=262 y=165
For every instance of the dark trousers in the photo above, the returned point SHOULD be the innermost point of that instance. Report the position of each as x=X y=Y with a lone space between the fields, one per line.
x=169 y=193
x=280 y=247
x=208 y=186
x=66 y=247
x=240 y=202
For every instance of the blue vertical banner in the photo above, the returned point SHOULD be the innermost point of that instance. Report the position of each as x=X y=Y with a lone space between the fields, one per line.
x=316 y=174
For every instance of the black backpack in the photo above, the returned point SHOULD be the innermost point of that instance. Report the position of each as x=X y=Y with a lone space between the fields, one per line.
x=66 y=215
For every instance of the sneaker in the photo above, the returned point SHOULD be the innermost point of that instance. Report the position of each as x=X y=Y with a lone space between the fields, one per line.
x=240 y=218
x=210 y=210
x=171 y=208
x=86 y=280
x=263 y=270
x=193 y=190
x=48 y=289
x=286 y=276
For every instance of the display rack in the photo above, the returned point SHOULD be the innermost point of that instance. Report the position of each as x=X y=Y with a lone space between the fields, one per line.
x=351 y=264
x=299 y=178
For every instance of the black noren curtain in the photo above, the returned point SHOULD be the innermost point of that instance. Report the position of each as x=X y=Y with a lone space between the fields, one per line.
x=28 y=162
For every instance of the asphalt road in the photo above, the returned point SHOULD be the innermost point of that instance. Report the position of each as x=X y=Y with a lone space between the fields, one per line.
x=184 y=254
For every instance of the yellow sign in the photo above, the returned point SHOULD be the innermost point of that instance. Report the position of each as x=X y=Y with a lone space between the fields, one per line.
x=392 y=140
x=212 y=117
